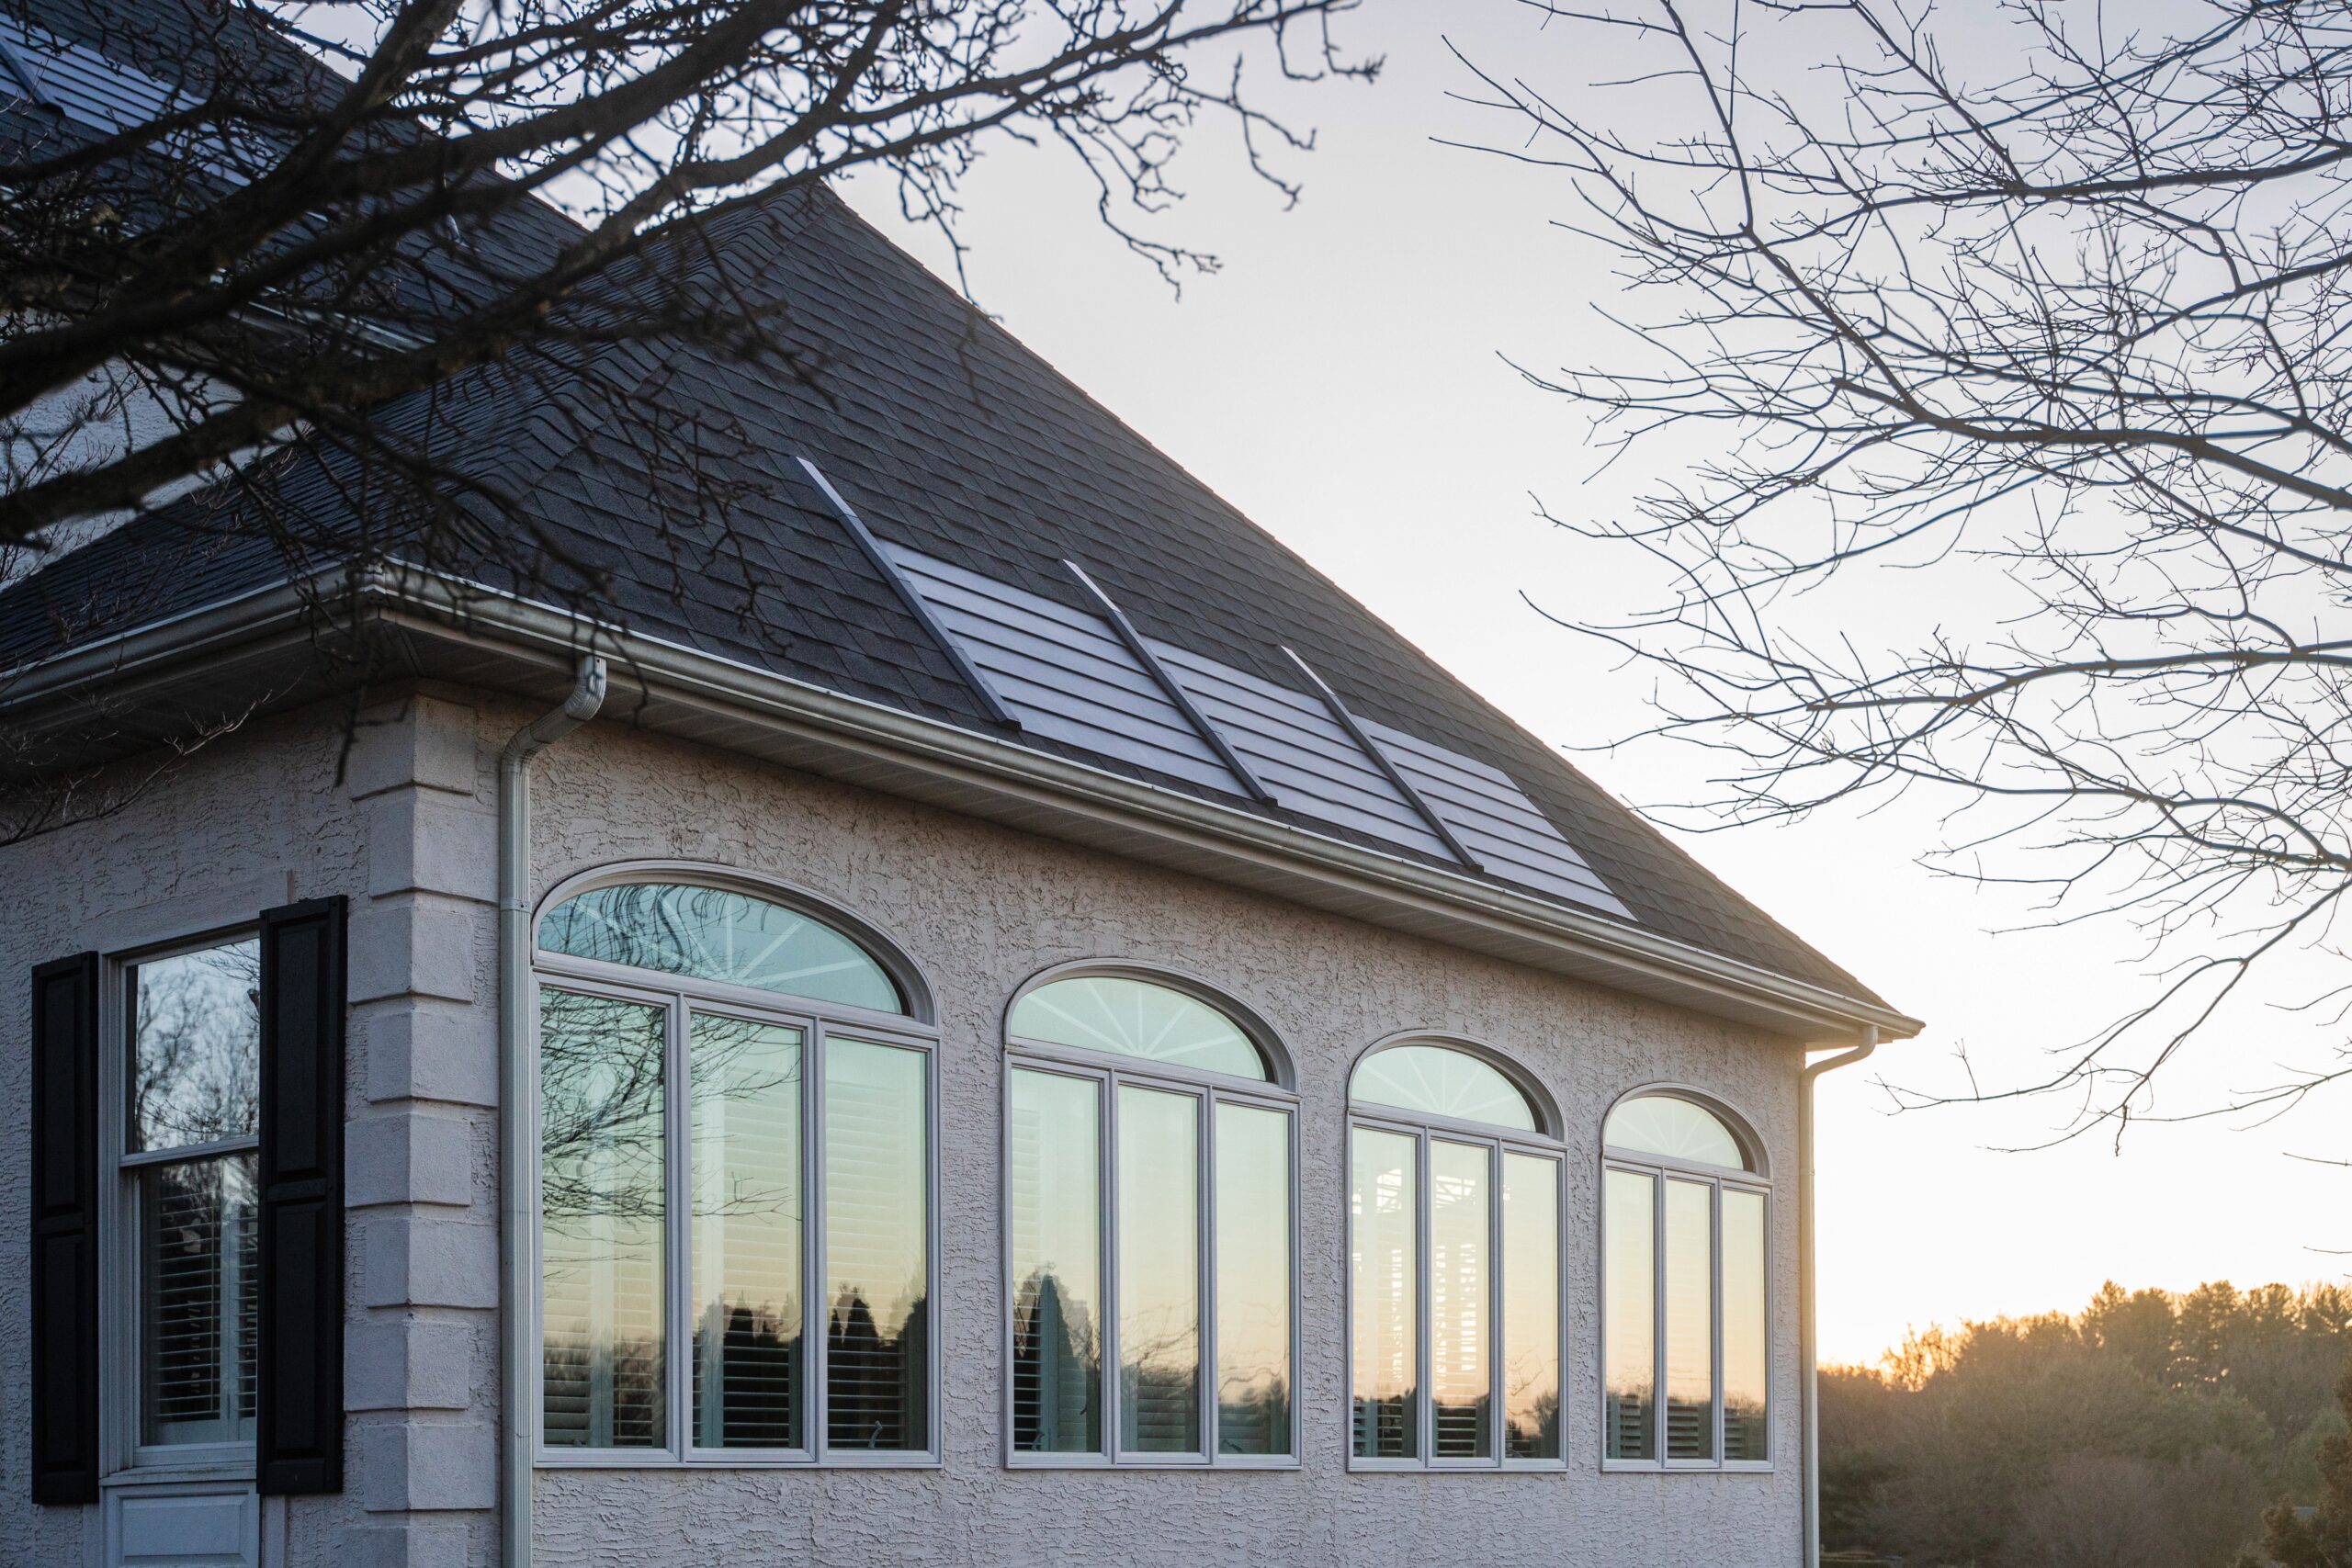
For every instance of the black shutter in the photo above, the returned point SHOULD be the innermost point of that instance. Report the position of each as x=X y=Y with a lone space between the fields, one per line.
x=64 y=1207
x=299 y=1437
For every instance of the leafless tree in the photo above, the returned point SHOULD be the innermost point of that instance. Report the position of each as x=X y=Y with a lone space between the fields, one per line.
x=312 y=239
x=2017 y=343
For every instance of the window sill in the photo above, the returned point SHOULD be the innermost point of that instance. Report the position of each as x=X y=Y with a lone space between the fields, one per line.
x=1461 y=1467
x=223 y=1473
x=1685 y=1467
x=1096 y=1462
x=608 y=1459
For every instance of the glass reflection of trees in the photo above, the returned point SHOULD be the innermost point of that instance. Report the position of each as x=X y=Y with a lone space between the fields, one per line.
x=607 y=1231
x=1176 y=1106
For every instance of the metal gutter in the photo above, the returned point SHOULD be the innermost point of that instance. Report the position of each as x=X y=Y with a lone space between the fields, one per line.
x=438 y=605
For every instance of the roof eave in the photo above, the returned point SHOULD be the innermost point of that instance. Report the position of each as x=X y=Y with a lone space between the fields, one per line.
x=723 y=702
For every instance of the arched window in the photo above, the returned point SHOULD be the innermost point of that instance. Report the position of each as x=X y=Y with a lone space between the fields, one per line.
x=1455 y=1320
x=710 y=1060
x=1686 y=1288
x=1151 y=1253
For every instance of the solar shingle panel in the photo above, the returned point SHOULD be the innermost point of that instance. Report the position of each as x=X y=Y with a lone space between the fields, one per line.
x=1063 y=672
x=1496 y=821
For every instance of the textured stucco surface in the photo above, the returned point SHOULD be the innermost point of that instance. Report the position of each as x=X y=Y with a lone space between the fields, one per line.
x=406 y=833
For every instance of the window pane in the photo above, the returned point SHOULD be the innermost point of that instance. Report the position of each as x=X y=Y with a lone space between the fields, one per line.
x=713 y=934
x=601 y=1208
x=1745 y=1372
x=1690 y=1325
x=1673 y=1129
x=1056 y=1264
x=197 y=1299
x=1159 y=1251
x=1385 y=1263
x=1134 y=1017
x=1461 y=1322
x=196 y=1047
x=1436 y=1080
x=1629 y=1331
x=1531 y=1307
x=1253 y=1275
x=745 y=1110
x=877 y=1249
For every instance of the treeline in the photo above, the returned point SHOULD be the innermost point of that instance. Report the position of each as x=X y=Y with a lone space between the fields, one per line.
x=2151 y=1429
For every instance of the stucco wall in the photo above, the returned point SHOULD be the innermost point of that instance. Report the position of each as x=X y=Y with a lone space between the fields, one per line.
x=407 y=834
x=980 y=908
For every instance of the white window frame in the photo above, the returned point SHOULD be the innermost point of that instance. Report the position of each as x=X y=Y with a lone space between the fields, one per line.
x=1498 y=1141
x=1109 y=1071
x=123 y=1457
x=1719 y=1180
x=680 y=997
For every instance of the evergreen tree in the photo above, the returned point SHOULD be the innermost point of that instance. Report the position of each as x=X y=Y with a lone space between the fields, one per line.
x=2324 y=1539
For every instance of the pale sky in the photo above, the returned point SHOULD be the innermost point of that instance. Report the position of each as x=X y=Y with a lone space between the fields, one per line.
x=1342 y=381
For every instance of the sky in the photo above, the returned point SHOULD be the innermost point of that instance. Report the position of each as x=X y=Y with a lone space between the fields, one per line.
x=1346 y=379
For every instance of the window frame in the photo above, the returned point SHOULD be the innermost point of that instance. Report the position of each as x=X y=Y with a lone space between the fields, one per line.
x=1718 y=1180
x=122 y=1457
x=680 y=998
x=1543 y=1143
x=1109 y=1071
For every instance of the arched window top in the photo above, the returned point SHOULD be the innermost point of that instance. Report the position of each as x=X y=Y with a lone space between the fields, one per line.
x=1447 y=1081
x=715 y=933
x=1671 y=1127
x=1126 y=1015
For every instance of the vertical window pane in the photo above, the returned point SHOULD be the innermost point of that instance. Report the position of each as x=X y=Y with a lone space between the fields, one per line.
x=602 y=1207
x=1385 y=1263
x=1460 y=1324
x=1531 y=1307
x=878 y=1250
x=1629 y=1319
x=196 y=1047
x=745 y=1111
x=1252 y=1280
x=1745 y=1372
x=1056 y=1264
x=1159 y=1301
x=197 y=1299
x=1690 y=1321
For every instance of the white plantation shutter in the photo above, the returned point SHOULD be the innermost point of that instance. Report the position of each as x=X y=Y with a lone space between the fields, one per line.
x=200 y=1295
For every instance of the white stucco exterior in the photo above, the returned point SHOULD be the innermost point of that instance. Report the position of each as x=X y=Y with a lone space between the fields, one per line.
x=408 y=833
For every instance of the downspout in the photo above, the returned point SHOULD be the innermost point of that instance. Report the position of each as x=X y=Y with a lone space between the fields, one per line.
x=1808 y=1350
x=516 y=1156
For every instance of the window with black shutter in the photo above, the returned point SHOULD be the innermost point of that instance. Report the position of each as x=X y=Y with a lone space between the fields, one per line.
x=224 y=1144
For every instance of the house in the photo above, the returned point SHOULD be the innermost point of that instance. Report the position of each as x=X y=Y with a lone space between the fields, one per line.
x=997 y=1018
